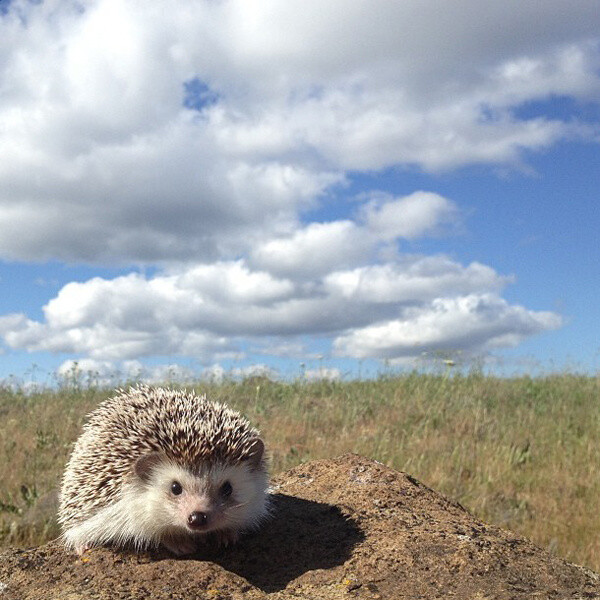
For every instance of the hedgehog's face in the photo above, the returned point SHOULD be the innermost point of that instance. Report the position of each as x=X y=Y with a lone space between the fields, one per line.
x=215 y=497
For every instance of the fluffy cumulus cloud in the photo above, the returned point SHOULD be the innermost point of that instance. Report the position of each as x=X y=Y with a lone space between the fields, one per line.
x=410 y=217
x=88 y=371
x=137 y=132
x=395 y=307
x=471 y=322
x=195 y=137
x=323 y=373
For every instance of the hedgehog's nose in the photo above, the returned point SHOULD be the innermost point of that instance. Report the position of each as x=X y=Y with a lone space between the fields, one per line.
x=197 y=520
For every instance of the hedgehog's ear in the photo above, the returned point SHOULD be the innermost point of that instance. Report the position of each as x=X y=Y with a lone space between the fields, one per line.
x=144 y=465
x=255 y=453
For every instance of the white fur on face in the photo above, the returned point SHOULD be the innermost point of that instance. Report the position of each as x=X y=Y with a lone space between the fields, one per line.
x=148 y=512
x=203 y=493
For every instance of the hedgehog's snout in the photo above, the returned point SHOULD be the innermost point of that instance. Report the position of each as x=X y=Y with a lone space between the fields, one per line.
x=197 y=520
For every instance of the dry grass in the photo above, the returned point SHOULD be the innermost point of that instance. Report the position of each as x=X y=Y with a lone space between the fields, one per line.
x=522 y=453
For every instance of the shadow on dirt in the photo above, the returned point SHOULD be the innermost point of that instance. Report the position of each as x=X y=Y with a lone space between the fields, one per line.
x=301 y=536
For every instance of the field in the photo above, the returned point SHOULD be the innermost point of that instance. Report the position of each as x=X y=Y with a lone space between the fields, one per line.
x=522 y=453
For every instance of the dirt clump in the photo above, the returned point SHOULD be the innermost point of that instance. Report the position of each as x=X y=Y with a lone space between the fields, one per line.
x=344 y=528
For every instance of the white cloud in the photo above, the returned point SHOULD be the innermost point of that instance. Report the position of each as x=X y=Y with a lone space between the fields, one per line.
x=474 y=323
x=320 y=248
x=207 y=311
x=11 y=322
x=412 y=280
x=88 y=371
x=215 y=373
x=110 y=157
x=317 y=248
x=102 y=162
x=327 y=373
x=410 y=217
x=253 y=371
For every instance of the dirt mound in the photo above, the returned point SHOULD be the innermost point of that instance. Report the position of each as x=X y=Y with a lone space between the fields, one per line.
x=344 y=528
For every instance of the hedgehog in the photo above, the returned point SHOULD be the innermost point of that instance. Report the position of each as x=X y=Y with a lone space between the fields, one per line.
x=159 y=467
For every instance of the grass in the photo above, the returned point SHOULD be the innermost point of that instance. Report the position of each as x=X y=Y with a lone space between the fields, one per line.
x=522 y=453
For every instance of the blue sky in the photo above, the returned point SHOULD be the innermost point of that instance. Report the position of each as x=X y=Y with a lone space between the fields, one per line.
x=241 y=185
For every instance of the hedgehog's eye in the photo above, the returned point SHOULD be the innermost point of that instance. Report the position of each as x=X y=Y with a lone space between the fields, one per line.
x=226 y=490
x=176 y=488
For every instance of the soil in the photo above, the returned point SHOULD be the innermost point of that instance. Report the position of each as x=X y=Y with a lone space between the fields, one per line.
x=344 y=528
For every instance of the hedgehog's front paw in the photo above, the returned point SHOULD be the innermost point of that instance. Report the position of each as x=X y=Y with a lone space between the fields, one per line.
x=82 y=548
x=224 y=538
x=181 y=545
